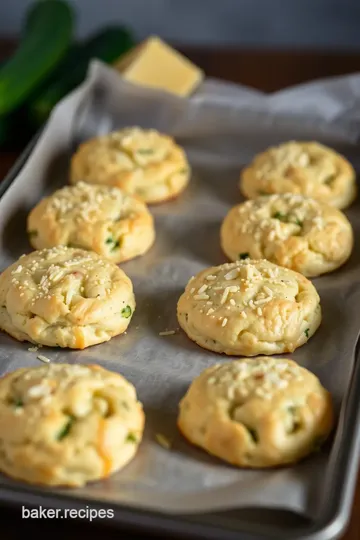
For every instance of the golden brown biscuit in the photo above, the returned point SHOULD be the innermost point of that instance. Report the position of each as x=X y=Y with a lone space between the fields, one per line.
x=249 y=308
x=99 y=218
x=258 y=412
x=65 y=424
x=65 y=297
x=303 y=234
x=306 y=168
x=142 y=162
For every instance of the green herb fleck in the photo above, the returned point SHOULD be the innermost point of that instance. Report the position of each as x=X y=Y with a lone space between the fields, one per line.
x=261 y=192
x=281 y=216
x=306 y=332
x=253 y=434
x=243 y=256
x=32 y=234
x=131 y=437
x=145 y=151
x=64 y=432
x=183 y=171
x=125 y=405
x=285 y=218
x=126 y=312
x=18 y=403
x=115 y=244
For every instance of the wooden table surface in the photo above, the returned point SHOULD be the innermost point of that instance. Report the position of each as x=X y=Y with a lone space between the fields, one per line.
x=267 y=71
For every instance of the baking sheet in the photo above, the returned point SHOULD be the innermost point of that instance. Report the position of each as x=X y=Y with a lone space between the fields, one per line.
x=221 y=127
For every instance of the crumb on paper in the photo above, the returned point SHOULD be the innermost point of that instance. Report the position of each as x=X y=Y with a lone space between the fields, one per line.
x=35 y=348
x=163 y=441
x=43 y=358
x=167 y=333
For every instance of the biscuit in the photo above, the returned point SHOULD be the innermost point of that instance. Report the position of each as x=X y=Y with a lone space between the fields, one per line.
x=99 y=218
x=306 y=168
x=303 y=234
x=259 y=412
x=63 y=424
x=248 y=308
x=64 y=297
x=142 y=162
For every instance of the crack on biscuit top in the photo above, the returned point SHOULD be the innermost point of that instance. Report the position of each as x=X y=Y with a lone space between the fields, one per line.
x=44 y=272
x=231 y=287
x=74 y=387
x=313 y=159
x=130 y=148
x=279 y=216
x=261 y=378
x=84 y=202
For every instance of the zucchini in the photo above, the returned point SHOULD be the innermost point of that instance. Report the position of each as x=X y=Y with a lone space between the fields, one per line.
x=47 y=36
x=107 y=45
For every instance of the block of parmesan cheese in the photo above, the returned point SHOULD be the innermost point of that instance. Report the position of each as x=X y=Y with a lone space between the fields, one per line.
x=155 y=64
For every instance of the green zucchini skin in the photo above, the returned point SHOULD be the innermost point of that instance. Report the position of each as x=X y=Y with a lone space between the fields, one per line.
x=47 y=35
x=107 y=45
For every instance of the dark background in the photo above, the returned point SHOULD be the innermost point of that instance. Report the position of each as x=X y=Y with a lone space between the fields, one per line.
x=314 y=24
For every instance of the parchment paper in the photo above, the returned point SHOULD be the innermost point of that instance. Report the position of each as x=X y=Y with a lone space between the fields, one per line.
x=221 y=127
